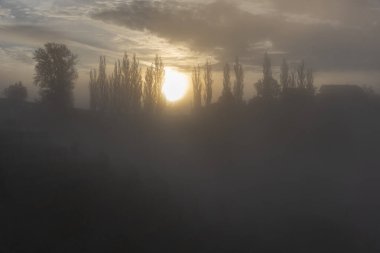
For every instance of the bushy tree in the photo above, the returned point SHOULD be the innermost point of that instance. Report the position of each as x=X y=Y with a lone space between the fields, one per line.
x=55 y=74
x=207 y=78
x=239 y=81
x=197 y=87
x=16 y=92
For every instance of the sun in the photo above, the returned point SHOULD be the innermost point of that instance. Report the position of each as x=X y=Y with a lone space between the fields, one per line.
x=175 y=85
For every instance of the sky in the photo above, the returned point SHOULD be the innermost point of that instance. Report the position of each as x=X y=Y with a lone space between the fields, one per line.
x=339 y=39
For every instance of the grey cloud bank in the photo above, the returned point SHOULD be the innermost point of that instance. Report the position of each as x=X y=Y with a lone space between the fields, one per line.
x=336 y=35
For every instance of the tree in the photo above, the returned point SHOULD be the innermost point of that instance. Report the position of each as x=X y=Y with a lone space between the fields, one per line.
x=284 y=76
x=16 y=92
x=301 y=75
x=293 y=79
x=259 y=88
x=207 y=78
x=239 y=82
x=159 y=76
x=310 y=81
x=197 y=88
x=115 y=94
x=125 y=87
x=55 y=74
x=135 y=85
x=122 y=91
x=226 y=97
x=94 y=90
x=149 y=90
x=102 y=84
x=268 y=87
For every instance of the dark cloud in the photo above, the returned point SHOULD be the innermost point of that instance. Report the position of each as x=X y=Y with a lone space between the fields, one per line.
x=348 y=12
x=30 y=31
x=225 y=30
x=219 y=27
x=40 y=34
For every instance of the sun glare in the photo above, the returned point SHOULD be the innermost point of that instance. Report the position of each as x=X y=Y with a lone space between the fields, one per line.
x=175 y=85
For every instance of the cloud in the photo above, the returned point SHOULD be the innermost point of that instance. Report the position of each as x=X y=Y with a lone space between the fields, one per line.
x=328 y=34
x=218 y=27
x=349 y=12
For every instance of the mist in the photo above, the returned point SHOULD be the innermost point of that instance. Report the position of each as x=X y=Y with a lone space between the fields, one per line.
x=189 y=126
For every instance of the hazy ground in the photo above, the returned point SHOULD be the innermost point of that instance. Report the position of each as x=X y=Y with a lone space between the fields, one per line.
x=282 y=177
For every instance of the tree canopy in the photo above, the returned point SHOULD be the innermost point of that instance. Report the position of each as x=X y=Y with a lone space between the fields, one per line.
x=55 y=74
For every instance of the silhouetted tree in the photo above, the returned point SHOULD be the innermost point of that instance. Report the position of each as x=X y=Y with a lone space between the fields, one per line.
x=102 y=83
x=136 y=85
x=293 y=79
x=310 y=81
x=125 y=87
x=94 y=90
x=55 y=74
x=285 y=78
x=197 y=87
x=16 y=92
x=226 y=97
x=122 y=91
x=239 y=82
x=115 y=92
x=207 y=78
x=268 y=87
x=301 y=75
x=259 y=88
x=159 y=76
x=149 y=90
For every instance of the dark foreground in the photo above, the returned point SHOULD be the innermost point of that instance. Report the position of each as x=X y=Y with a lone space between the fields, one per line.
x=266 y=178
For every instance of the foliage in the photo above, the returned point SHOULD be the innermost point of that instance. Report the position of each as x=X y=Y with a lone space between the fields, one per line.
x=16 y=92
x=55 y=74
x=125 y=91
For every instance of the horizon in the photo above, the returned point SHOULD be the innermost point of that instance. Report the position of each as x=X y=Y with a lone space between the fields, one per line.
x=325 y=34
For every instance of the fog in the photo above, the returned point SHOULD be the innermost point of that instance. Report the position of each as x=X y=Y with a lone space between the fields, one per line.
x=274 y=147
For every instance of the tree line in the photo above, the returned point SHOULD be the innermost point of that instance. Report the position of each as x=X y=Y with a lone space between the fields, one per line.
x=126 y=90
